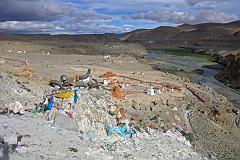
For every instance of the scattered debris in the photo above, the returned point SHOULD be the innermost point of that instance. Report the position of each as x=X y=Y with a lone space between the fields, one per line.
x=178 y=133
x=64 y=95
x=124 y=130
x=12 y=143
x=105 y=82
x=76 y=81
x=107 y=57
x=16 y=108
x=151 y=91
x=72 y=149
x=90 y=134
x=22 y=150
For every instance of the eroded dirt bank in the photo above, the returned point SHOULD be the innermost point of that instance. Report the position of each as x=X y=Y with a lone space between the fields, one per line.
x=230 y=74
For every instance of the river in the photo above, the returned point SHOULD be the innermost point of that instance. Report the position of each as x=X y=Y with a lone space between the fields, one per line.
x=194 y=69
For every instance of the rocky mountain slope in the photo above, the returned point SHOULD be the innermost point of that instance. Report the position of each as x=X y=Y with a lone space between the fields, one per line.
x=206 y=35
x=47 y=37
x=231 y=72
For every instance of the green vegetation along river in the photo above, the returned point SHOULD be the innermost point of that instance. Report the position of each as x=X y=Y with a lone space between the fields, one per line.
x=193 y=67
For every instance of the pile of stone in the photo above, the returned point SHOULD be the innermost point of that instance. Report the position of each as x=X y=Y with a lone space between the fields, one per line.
x=17 y=96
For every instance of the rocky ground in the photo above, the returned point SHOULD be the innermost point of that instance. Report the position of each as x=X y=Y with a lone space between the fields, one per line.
x=230 y=73
x=71 y=47
x=209 y=120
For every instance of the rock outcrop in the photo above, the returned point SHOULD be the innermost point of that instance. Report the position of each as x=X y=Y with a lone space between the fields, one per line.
x=231 y=72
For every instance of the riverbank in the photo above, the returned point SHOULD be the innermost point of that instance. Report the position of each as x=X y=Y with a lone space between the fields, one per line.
x=200 y=69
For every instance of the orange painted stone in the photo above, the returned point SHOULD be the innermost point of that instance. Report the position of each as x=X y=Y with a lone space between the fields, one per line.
x=117 y=92
x=108 y=75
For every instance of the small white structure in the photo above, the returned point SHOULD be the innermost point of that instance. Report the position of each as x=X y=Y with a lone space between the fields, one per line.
x=107 y=57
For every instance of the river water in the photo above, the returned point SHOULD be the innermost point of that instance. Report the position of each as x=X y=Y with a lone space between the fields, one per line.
x=193 y=68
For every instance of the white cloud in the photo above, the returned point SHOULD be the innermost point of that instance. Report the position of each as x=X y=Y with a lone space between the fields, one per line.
x=215 y=16
x=52 y=28
x=33 y=10
x=48 y=16
x=29 y=26
x=194 y=2
x=166 y=16
x=88 y=15
x=95 y=16
x=185 y=17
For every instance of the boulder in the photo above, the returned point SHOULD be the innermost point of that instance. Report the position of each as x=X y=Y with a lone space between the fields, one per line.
x=16 y=107
x=62 y=121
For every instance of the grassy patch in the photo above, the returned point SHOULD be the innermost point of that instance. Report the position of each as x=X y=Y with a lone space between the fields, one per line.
x=185 y=52
x=177 y=72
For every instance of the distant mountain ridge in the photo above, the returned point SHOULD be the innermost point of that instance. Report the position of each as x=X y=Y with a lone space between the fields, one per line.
x=205 y=35
x=108 y=37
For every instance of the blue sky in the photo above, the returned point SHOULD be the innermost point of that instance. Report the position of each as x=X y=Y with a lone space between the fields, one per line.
x=110 y=16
